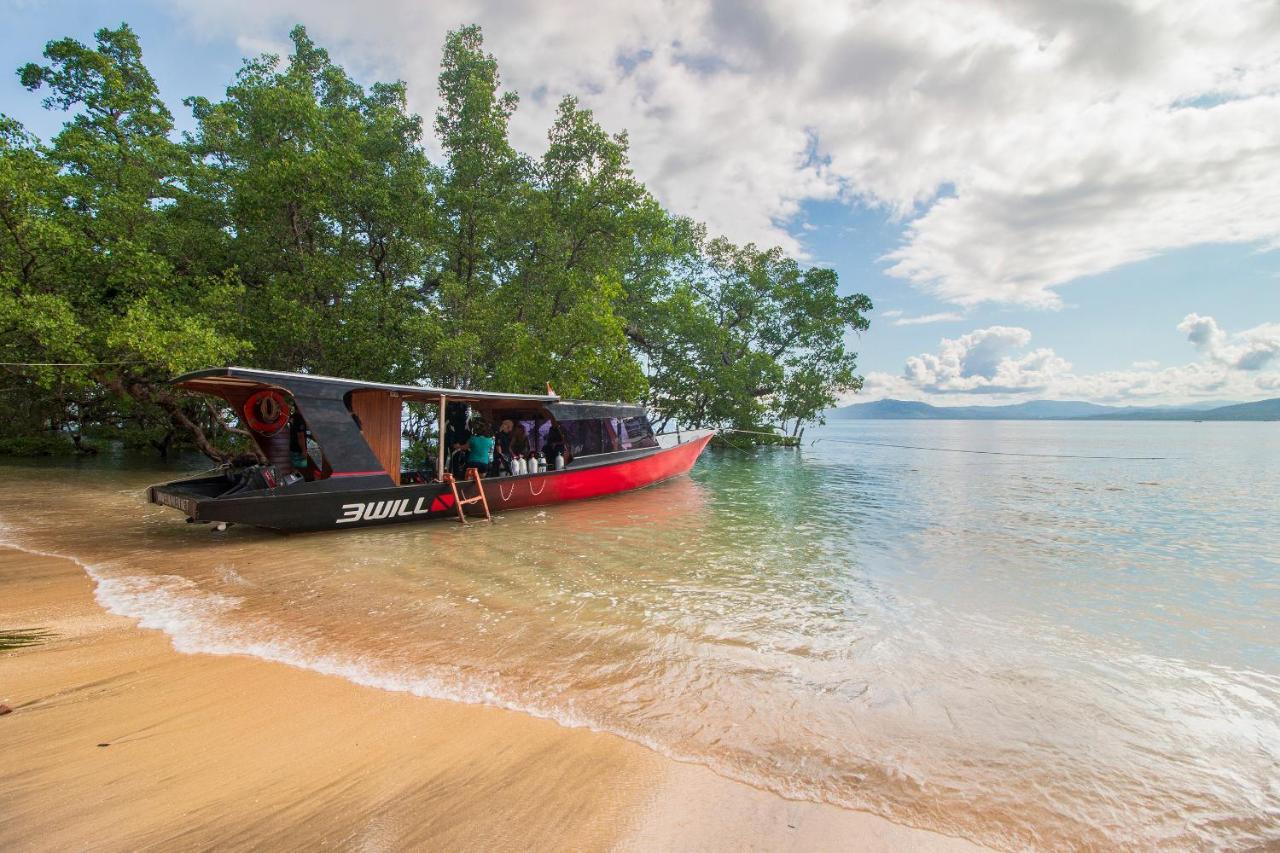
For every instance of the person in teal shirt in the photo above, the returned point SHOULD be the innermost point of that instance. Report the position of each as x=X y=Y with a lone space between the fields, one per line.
x=480 y=447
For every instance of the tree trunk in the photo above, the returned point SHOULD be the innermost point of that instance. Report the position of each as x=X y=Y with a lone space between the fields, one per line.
x=162 y=446
x=145 y=392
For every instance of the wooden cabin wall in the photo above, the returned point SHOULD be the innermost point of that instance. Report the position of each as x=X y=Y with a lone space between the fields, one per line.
x=379 y=413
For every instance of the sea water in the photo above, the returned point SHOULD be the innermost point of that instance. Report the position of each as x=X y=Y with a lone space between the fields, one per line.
x=1030 y=634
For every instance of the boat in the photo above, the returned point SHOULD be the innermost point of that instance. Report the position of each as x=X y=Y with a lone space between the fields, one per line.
x=332 y=449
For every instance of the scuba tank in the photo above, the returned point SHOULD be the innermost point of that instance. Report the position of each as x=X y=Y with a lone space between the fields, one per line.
x=559 y=461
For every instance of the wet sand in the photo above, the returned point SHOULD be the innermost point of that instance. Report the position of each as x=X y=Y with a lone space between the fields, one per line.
x=116 y=741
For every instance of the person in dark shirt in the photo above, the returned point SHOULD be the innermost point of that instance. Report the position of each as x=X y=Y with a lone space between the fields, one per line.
x=502 y=438
x=502 y=447
x=519 y=441
x=455 y=423
x=458 y=456
x=556 y=446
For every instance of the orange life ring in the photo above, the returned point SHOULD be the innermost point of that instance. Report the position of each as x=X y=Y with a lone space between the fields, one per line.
x=266 y=412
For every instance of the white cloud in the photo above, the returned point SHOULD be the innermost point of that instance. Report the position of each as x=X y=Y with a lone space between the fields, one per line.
x=1204 y=332
x=993 y=363
x=1253 y=349
x=1026 y=143
x=941 y=317
x=981 y=362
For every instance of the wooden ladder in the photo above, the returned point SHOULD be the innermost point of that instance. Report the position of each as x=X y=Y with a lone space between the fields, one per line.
x=473 y=474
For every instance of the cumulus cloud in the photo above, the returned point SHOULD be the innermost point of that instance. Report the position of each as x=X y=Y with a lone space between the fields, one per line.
x=1253 y=349
x=1204 y=332
x=995 y=361
x=1024 y=144
x=981 y=362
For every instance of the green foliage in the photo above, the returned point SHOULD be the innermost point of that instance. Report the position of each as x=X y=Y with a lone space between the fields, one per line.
x=529 y=274
x=300 y=225
x=745 y=337
x=90 y=260
x=36 y=445
x=418 y=456
x=320 y=191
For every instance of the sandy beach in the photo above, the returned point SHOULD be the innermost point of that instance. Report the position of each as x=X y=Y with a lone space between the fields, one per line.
x=116 y=741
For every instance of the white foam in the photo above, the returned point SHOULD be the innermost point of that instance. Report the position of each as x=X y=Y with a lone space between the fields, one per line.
x=168 y=603
x=201 y=622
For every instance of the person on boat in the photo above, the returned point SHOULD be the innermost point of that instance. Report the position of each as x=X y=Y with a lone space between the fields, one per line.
x=502 y=448
x=555 y=445
x=455 y=425
x=298 y=445
x=538 y=433
x=459 y=454
x=502 y=438
x=480 y=446
x=519 y=443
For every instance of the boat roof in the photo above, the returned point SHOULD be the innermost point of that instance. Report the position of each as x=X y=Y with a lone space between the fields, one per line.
x=216 y=379
x=577 y=410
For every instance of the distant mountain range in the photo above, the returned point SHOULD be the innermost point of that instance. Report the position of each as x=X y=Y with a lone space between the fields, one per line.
x=1059 y=410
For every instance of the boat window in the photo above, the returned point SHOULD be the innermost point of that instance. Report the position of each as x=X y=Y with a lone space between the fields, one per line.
x=419 y=442
x=583 y=437
x=537 y=431
x=613 y=434
x=639 y=432
x=607 y=435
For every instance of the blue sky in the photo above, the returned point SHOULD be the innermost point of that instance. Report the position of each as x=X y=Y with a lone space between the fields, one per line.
x=1081 y=216
x=1108 y=321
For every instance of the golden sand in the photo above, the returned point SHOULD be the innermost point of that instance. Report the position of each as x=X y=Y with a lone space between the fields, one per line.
x=116 y=741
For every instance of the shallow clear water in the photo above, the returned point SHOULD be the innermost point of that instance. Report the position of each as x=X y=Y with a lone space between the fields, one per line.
x=1027 y=650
